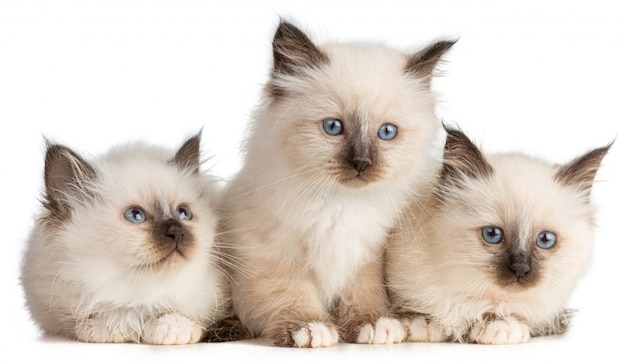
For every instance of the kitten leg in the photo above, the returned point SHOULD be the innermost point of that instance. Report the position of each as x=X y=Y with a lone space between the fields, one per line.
x=362 y=312
x=557 y=326
x=499 y=331
x=420 y=328
x=170 y=329
x=228 y=329
x=284 y=305
x=101 y=329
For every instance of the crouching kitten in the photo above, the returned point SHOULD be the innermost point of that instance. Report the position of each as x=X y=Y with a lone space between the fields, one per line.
x=123 y=249
x=493 y=255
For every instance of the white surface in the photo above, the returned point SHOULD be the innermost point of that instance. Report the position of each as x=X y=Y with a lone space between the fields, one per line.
x=543 y=77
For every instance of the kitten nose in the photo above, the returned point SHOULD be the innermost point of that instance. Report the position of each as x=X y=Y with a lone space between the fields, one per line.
x=175 y=232
x=360 y=165
x=520 y=269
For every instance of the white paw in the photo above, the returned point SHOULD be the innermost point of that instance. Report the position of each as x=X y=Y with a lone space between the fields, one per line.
x=171 y=329
x=315 y=335
x=500 y=332
x=422 y=330
x=385 y=331
x=97 y=330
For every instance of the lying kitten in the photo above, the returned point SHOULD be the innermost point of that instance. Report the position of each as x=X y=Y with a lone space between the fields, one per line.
x=123 y=250
x=494 y=254
x=338 y=145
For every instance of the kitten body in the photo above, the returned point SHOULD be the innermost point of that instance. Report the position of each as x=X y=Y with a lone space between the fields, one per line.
x=89 y=273
x=307 y=216
x=452 y=284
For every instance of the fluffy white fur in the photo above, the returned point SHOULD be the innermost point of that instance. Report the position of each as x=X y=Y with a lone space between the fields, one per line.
x=439 y=267
x=298 y=232
x=86 y=277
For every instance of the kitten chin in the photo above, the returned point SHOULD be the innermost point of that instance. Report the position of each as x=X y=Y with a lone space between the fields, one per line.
x=344 y=136
x=494 y=253
x=124 y=250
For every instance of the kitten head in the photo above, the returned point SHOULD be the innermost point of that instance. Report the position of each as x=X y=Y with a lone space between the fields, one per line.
x=352 y=114
x=136 y=212
x=514 y=221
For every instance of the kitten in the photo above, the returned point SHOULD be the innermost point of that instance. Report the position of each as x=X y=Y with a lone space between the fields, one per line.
x=342 y=138
x=493 y=255
x=124 y=248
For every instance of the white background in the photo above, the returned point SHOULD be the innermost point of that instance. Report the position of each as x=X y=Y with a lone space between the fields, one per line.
x=547 y=78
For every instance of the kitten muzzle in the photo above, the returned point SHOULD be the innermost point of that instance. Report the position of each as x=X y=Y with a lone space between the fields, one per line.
x=175 y=231
x=360 y=165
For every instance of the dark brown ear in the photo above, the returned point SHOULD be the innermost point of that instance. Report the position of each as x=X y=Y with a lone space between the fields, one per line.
x=462 y=157
x=581 y=172
x=294 y=52
x=65 y=175
x=188 y=156
x=461 y=160
x=423 y=63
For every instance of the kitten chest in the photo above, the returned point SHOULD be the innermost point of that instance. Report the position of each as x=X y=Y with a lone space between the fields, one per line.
x=341 y=236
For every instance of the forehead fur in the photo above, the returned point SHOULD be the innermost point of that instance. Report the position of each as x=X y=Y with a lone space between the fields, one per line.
x=140 y=174
x=357 y=77
x=521 y=185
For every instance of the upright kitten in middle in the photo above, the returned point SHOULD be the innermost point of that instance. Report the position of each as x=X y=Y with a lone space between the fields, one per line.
x=341 y=140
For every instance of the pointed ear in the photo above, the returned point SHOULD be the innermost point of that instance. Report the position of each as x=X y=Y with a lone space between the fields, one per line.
x=293 y=51
x=65 y=175
x=462 y=158
x=581 y=172
x=423 y=63
x=188 y=156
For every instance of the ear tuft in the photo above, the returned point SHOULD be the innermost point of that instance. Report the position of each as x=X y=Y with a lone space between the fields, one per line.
x=188 y=156
x=581 y=172
x=422 y=64
x=66 y=176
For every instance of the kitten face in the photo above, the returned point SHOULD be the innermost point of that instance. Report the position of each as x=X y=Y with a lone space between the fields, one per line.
x=352 y=114
x=132 y=215
x=517 y=221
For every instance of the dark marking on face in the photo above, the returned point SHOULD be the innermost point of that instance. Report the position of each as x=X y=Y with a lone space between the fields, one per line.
x=516 y=265
x=170 y=235
x=359 y=156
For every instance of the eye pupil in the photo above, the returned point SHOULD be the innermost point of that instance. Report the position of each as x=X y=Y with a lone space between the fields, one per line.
x=183 y=213
x=493 y=234
x=387 y=131
x=333 y=127
x=546 y=240
x=135 y=215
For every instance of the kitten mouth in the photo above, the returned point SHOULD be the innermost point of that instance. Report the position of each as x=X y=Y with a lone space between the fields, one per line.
x=356 y=181
x=174 y=256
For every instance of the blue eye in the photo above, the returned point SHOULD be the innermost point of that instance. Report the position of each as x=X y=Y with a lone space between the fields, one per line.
x=333 y=127
x=183 y=212
x=135 y=215
x=493 y=234
x=546 y=240
x=387 y=131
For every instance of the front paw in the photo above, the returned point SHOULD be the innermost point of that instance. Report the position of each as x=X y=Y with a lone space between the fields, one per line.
x=421 y=329
x=314 y=334
x=98 y=330
x=500 y=332
x=172 y=329
x=385 y=330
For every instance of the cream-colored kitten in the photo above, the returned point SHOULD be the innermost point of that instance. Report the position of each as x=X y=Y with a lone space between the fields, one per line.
x=493 y=255
x=123 y=250
x=340 y=142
